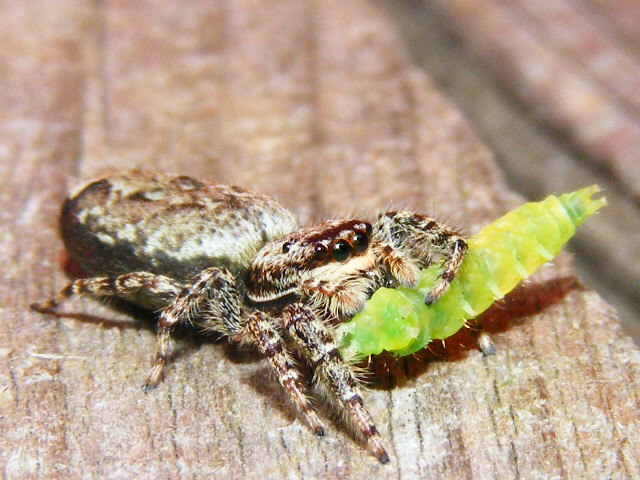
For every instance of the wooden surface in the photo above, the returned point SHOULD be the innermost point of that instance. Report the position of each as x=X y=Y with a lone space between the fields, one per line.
x=569 y=63
x=317 y=103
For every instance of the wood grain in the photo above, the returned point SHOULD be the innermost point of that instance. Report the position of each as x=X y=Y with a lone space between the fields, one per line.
x=314 y=102
x=567 y=66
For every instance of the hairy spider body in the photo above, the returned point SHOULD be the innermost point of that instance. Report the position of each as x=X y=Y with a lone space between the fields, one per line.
x=174 y=226
x=233 y=261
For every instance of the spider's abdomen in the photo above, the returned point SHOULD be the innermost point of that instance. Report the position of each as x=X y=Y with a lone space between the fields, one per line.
x=170 y=225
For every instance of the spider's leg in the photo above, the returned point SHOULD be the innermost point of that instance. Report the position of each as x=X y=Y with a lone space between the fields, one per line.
x=483 y=339
x=402 y=267
x=316 y=342
x=127 y=284
x=199 y=292
x=454 y=248
x=260 y=331
x=485 y=344
x=416 y=237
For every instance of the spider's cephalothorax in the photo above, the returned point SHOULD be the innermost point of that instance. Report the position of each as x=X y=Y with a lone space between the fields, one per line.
x=233 y=261
x=331 y=264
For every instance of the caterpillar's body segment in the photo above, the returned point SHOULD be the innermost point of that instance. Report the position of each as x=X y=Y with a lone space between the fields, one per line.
x=501 y=255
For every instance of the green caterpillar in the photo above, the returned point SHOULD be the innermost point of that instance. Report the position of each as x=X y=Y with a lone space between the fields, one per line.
x=501 y=255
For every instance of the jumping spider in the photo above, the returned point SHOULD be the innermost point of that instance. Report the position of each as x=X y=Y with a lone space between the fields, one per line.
x=234 y=262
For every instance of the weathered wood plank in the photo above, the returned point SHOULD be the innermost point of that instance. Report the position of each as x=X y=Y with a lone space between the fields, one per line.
x=40 y=100
x=315 y=102
x=550 y=80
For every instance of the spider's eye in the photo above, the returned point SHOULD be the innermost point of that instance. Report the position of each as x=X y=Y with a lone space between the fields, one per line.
x=368 y=229
x=319 y=251
x=341 y=251
x=286 y=247
x=360 y=242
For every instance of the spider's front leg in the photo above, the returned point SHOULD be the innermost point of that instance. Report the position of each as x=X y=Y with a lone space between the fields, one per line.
x=260 y=330
x=406 y=243
x=316 y=343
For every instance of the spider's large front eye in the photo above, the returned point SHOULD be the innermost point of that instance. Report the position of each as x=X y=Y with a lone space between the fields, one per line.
x=360 y=242
x=341 y=251
x=286 y=247
x=319 y=251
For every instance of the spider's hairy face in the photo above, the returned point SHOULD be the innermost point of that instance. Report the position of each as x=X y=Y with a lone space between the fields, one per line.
x=334 y=258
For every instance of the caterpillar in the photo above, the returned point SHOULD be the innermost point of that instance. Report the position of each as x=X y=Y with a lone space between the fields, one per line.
x=500 y=256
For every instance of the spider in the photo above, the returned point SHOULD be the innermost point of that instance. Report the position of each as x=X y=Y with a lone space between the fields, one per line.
x=232 y=261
